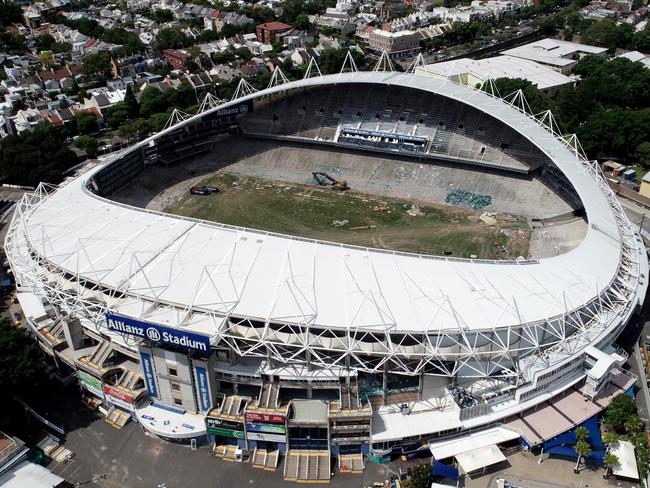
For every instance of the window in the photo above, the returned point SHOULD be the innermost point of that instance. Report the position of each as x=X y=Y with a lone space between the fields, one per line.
x=175 y=386
x=178 y=401
x=172 y=371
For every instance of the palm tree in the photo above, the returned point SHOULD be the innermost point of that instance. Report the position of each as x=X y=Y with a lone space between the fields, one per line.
x=612 y=461
x=582 y=433
x=583 y=449
x=610 y=439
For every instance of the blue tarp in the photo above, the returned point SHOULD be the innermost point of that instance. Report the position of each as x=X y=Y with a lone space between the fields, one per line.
x=564 y=444
x=630 y=391
x=443 y=470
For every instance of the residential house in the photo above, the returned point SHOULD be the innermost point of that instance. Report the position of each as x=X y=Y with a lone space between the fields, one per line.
x=269 y=31
x=177 y=59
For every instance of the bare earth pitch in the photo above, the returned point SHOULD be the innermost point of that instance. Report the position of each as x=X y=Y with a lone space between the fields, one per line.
x=354 y=218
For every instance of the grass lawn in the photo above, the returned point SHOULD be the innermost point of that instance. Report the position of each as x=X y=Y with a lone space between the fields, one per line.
x=326 y=214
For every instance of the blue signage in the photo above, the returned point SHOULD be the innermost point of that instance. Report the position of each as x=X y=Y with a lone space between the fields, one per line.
x=149 y=375
x=203 y=388
x=158 y=333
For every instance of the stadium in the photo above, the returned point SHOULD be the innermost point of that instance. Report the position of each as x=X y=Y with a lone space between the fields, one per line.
x=328 y=348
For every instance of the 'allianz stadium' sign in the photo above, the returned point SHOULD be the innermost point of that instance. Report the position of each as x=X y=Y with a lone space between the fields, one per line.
x=158 y=333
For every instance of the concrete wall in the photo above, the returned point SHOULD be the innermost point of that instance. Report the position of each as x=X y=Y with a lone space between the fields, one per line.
x=164 y=361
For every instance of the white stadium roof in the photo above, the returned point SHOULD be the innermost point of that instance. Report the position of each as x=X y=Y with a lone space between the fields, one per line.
x=182 y=262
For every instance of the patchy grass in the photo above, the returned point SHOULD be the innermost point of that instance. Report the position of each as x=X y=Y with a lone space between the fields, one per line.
x=326 y=214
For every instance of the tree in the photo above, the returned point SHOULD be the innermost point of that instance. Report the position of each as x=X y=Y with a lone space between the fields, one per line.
x=607 y=33
x=127 y=131
x=20 y=363
x=46 y=58
x=610 y=439
x=244 y=53
x=158 y=121
x=172 y=38
x=611 y=461
x=582 y=434
x=301 y=22
x=130 y=103
x=421 y=477
x=643 y=152
x=633 y=425
x=619 y=411
x=36 y=156
x=162 y=15
x=117 y=116
x=583 y=449
x=129 y=41
x=152 y=101
x=44 y=42
x=10 y=13
x=97 y=65
x=87 y=144
x=142 y=127
x=86 y=122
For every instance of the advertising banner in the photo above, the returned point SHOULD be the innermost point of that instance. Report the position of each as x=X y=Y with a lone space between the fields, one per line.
x=119 y=398
x=228 y=424
x=90 y=383
x=203 y=389
x=271 y=429
x=257 y=436
x=236 y=434
x=255 y=417
x=149 y=375
x=158 y=333
x=226 y=428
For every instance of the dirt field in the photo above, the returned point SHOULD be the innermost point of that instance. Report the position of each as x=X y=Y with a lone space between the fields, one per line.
x=326 y=214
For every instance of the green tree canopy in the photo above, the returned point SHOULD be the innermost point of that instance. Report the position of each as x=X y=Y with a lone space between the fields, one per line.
x=10 y=13
x=36 y=156
x=130 y=103
x=172 y=38
x=98 y=65
x=88 y=144
x=20 y=362
x=86 y=122
x=421 y=477
x=620 y=410
x=608 y=33
x=162 y=15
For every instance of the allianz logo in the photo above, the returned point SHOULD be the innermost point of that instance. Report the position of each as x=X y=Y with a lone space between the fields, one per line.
x=121 y=326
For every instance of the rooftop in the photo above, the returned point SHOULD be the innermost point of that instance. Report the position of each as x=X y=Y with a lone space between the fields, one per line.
x=553 y=51
x=499 y=67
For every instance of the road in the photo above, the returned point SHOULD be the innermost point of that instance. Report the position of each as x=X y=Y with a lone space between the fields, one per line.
x=132 y=459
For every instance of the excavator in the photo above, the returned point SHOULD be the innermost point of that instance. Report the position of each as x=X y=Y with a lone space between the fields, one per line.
x=323 y=179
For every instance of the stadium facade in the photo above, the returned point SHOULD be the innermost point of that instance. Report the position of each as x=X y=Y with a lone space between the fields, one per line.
x=272 y=343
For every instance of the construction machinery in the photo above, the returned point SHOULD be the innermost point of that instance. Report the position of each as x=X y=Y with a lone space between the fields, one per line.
x=323 y=179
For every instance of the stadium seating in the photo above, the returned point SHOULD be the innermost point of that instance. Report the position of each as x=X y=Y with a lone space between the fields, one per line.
x=454 y=131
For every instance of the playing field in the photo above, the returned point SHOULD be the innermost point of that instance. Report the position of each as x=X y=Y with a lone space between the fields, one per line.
x=354 y=218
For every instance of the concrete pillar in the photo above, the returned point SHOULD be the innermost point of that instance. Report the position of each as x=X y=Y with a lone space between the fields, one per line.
x=420 y=386
x=73 y=333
